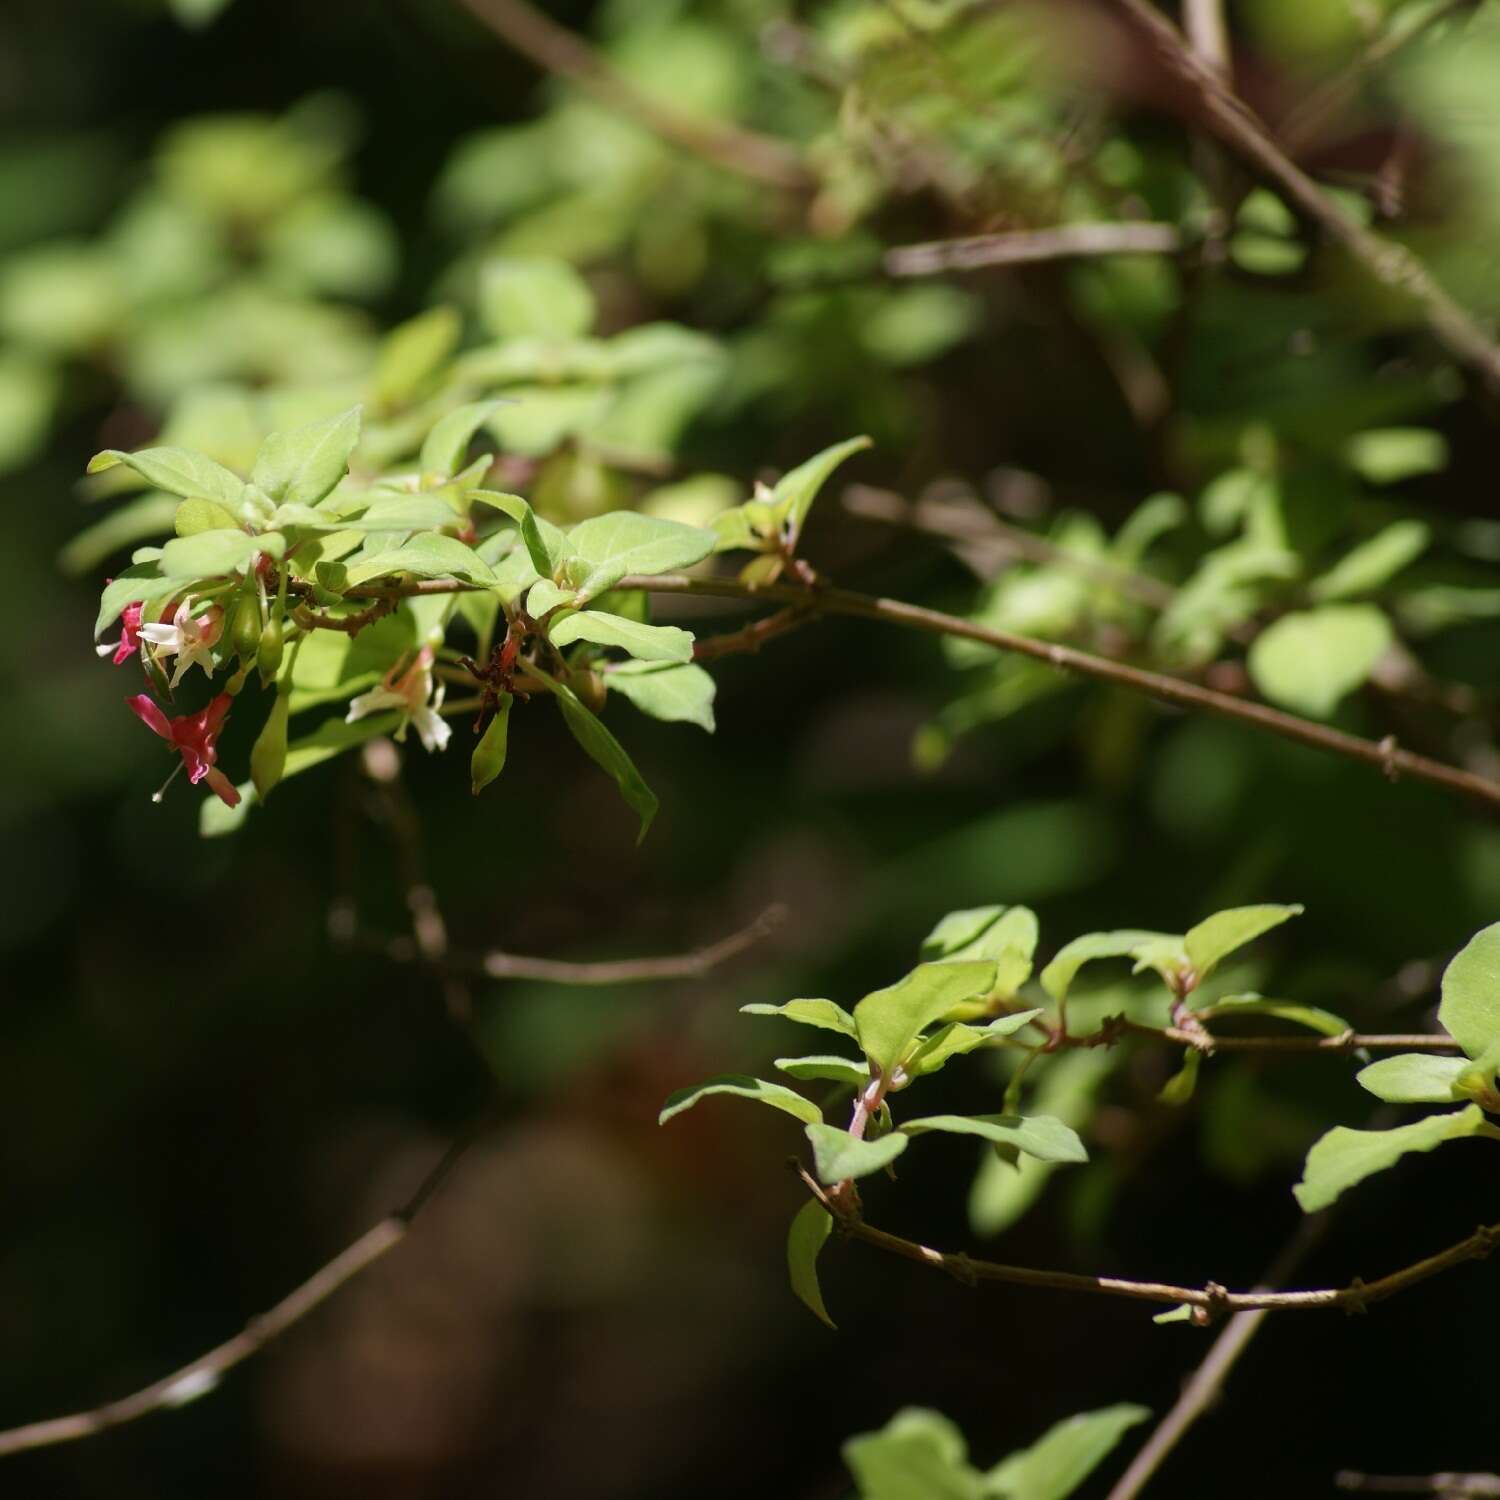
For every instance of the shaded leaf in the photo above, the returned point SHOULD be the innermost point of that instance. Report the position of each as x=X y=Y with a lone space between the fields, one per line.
x=1413 y=1078
x=1041 y=1136
x=675 y=694
x=810 y=1229
x=606 y=752
x=1053 y=1467
x=644 y=642
x=1058 y=976
x=1345 y=1157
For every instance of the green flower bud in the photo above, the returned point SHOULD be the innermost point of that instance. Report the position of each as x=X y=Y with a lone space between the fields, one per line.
x=488 y=760
x=244 y=634
x=590 y=689
x=271 y=646
x=268 y=754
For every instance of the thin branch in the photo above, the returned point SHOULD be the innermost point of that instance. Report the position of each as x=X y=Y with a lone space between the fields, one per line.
x=1064 y=242
x=1346 y=1041
x=1454 y=1486
x=1384 y=755
x=752 y=637
x=314 y=619
x=1393 y=265
x=1207 y=34
x=1213 y=1299
x=693 y=965
x=558 y=50
x=204 y=1373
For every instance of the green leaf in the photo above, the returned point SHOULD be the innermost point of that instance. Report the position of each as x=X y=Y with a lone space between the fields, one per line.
x=545 y=596
x=1391 y=454
x=610 y=546
x=522 y=298
x=1007 y=934
x=179 y=471
x=1309 y=660
x=1178 y=1089
x=143 y=581
x=741 y=1087
x=839 y=1156
x=488 y=759
x=1214 y=938
x=429 y=554
x=413 y=353
x=1054 y=1467
x=1413 y=1078
x=268 y=755
x=193 y=516
x=1373 y=564
x=644 y=642
x=448 y=442
x=889 y=1021
x=1470 y=1007
x=1182 y=1313
x=682 y=695
x=300 y=467
x=606 y=752
x=546 y=545
x=796 y=490
x=1345 y=1157
x=827 y=1067
x=392 y=513
x=215 y=554
x=1041 y=1136
x=1058 y=976
x=917 y=1455
x=1311 y=1016
x=957 y=1038
x=811 y=1226
x=821 y=1013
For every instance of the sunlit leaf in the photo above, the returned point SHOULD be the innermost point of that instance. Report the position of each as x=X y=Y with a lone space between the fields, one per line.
x=741 y=1087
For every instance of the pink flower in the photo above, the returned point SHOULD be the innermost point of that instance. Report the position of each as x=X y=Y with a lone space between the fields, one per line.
x=194 y=737
x=130 y=637
x=190 y=639
x=409 y=692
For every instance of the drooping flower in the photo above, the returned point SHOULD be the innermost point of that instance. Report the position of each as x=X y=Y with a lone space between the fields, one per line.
x=195 y=738
x=130 y=635
x=408 y=691
x=189 y=638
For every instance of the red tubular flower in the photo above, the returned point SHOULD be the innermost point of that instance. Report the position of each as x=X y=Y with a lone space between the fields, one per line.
x=194 y=737
x=130 y=640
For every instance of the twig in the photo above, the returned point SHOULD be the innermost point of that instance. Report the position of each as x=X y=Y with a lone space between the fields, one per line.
x=558 y=50
x=499 y=965
x=1391 y=264
x=752 y=637
x=314 y=619
x=204 y=1373
x=1346 y=1041
x=1456 y=1486
x=1214 y=1299
x=1207 y=34
x=1065 y=241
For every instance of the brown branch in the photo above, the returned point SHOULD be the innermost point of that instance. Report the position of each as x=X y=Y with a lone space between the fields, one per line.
x=558 y=50
x=753 y=636
x=201 y=1375
x=1065 y=241
x=314 y=619
x=1384 y=755
x=1346 y=1041
x=1213 y=1299
x=1243 y=132
x=1451 y=1486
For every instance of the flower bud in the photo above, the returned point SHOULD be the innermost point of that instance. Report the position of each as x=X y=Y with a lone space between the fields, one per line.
x=244 y=634
x=268 y=754
x=268 y=655
x=488 y=759
x=590 y=689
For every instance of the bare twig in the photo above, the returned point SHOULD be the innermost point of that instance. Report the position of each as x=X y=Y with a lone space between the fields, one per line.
x=560 y=51
x=1242 y=131
x=1064 y=242
x=315 y=619
x=1213 y=1299
x=752 y=637
x=201 y=1375
x=1207 y=33
x=1346 y=1041
x=1445 y=1486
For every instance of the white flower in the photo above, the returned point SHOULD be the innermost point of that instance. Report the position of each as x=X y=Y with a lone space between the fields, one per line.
x=409 y=692
x=187 y=638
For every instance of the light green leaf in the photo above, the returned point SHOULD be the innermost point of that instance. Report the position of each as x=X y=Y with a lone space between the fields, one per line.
x=1007 y=934
x=610 y=546
x=1178 y=1089
x=957 y=1038
x=1413 y=1078
x=917 y=1455
x=606 y=752
x=1391 y=454
x=1470 y=1007
x=1058 y=976
x=546 y=545
x=821 y=1013
x=523 y=298
x=1041 y=1136
x=413 y=353
x=300 y=467
x=143 y=581
x=675 y=694
x=545 y=596
x=644 y=642
x=889 y=1021
x=428 y=555
x=1311 y=1016
x=394 y=513
x=193 y=516
x=1345 y=1157
x=796 y=490
x=1373 y=564
x=1217 y=936
x=1054 y=1467
x=825 y=1066
x=738 y=1085
x=179 y=471
x=1183 y=1313
x=1309 y=660
x=839 y=1156
x=448 y=442
x=810 y=1229
x=215 y=554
